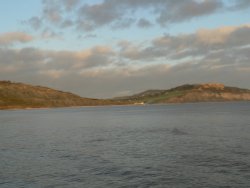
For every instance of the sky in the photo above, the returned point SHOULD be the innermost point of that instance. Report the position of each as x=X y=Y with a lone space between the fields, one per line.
x=108 y=48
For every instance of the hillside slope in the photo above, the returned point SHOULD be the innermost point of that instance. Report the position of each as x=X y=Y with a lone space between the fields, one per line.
x=19 y=95
x=191 y=93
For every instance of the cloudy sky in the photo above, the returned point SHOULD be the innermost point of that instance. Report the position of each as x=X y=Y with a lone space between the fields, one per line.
x=107 y=48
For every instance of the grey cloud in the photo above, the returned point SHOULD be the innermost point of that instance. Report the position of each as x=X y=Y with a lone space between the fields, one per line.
x=100 y=14
x=239 y=4
x=36 y=59
x=67 y=23
x=84 y=25
x=230 y=57
x=90 y=36
x=217 y=55
x=70 y=4
x=165 y=11
x=208 y=55
x=48 y=33
x=139 y=78
x=74 y=71
x=122 y=13
x=14 y=37
x=188 y=10
x=91 y=58
x=146 y=54
x=35 y=22
x=143 y=23
x=125 y=23
x=53 y=15
x=240 y=37
x=195 y=45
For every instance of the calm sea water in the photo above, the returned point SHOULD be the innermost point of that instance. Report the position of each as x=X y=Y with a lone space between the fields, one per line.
x=185 y=145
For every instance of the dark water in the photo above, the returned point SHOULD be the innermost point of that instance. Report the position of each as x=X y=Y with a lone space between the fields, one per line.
x=188 y=145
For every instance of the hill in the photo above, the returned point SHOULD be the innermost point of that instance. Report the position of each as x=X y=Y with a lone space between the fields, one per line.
x=190 y=93
x=19 y=95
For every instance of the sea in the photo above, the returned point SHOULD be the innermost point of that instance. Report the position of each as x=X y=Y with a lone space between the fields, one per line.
x=174 y=145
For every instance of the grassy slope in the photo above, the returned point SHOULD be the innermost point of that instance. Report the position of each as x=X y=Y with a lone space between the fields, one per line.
x=191 y=93
x=18 y=95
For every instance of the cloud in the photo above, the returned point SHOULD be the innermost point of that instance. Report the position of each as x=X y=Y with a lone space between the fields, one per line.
x=120 y=14
x=215 y=36
x=52 y=11
x=48 y=33
x=143 y=23
x=239 y=5
x=111 y=11
x=35 y=22
x=186 y=10
x=207 y=55
x=70 y=4
x=194 y=45
x=66 y=23
x=89 y=36
x=10 y=38
x=52 y=73
x=71 y=71
x=219 y=50
x=100 y=14
x=36 y=60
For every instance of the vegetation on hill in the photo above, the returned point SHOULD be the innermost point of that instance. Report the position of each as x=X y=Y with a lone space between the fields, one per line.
x=190 y=93
x=19 y=95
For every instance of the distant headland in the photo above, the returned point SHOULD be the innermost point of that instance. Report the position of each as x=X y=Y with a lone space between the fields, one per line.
x=21 y=96
x=208 y=92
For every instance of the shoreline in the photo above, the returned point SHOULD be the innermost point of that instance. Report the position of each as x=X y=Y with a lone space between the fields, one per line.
x=116 y=105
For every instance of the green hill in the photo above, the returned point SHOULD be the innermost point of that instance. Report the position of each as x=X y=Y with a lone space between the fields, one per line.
x=190 y=93
x=19 y=95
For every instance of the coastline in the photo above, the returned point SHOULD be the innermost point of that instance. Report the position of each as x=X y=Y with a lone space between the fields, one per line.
x=117 y=105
